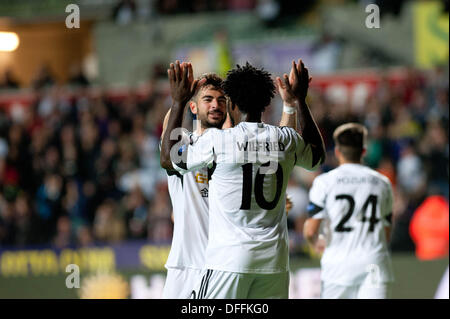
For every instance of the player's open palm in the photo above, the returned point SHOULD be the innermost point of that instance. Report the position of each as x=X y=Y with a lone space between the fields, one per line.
x=300 y=79
x=285 y=89
x=295 y=86
x=182 y=83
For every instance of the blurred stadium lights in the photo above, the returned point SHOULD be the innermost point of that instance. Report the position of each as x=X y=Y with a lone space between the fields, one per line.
x=9 y=41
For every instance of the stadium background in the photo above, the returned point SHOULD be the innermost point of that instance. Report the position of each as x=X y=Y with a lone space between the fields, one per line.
x=81 y=112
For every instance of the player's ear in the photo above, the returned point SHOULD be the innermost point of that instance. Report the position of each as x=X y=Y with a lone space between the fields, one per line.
x=336 y=152
x=193 y=107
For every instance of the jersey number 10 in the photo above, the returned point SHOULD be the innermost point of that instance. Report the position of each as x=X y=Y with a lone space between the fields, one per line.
x=259 y=191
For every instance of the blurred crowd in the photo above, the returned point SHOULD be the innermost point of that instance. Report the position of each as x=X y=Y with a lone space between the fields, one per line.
x=81 y=165
x=127 y=11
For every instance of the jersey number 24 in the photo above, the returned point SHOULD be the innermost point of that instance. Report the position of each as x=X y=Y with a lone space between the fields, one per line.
x=373 y=220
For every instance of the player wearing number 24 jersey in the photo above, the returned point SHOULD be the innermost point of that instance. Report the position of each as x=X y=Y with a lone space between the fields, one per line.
x=356 y=203
x=247 y=252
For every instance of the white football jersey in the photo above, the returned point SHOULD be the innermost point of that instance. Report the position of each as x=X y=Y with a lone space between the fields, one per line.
x=251 y=165
x=189 y=197
x=356 y=205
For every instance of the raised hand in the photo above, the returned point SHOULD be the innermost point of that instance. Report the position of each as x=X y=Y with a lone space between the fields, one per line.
x=301 y=90
x=182 y=83
x=295 y=86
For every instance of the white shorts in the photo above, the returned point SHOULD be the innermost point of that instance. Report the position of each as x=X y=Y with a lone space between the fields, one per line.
x=365 y=290
x=216 y=284
x=180 y=282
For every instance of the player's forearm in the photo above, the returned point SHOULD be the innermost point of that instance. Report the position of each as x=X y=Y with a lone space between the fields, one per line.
x=175 y=121
x=166 y=120
x=310 y=132
x=289 y=119
x=311 y=238
x=311 y=231
x=163 y=156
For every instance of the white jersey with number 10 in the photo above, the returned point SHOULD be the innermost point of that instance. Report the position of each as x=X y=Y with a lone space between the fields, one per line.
x=252 y=163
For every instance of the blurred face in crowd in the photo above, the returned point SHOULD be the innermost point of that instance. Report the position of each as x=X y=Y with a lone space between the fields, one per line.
x=67 y=134
x=22 y=207
x=63 y=225
x=108 y=148
x=210 y=107
x=53 y=185
x=15 y=134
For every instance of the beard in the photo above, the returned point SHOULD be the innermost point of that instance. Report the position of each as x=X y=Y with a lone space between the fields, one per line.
x=207 y=123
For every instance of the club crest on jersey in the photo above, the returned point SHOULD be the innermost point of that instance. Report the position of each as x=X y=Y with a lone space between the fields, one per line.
x=204 y=192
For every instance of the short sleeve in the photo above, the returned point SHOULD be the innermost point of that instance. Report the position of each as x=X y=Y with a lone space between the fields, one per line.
x=185 y=139
x=389 y=203
x=317 y=199
x=303 y=151
x=197 y=153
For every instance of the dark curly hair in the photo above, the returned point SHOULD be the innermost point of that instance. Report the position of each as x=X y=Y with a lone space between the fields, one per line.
x=251 y=89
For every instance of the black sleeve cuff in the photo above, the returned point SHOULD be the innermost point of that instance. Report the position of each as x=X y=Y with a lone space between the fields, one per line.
x=313 y=209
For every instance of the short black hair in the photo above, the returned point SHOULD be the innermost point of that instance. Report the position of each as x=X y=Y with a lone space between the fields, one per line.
x=350 y=138
x=212 y=80
x=251 y=89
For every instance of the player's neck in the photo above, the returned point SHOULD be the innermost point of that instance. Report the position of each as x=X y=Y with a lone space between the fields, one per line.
x=200 y=130
x=197 y=127
x=240 y=117
x=343 y=161
x=253 y=117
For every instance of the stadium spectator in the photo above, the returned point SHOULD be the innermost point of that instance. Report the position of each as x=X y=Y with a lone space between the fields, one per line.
x=24 y=221
x=108 y=226
x=124 y=12
x=64 y=236
x=135 y=210
x=9 y=81
x=410 y=172
x=77 y=76
x=43 y=77
x=297 y=214
x=159 y=215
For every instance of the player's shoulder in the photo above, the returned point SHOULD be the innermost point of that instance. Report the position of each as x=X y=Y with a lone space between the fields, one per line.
x=212 y=131
x=324 y=178
x=285 y=129
x=379 y=177
x=208 y=134
x=285 y=132
x=383 y=178
x=332 y=176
